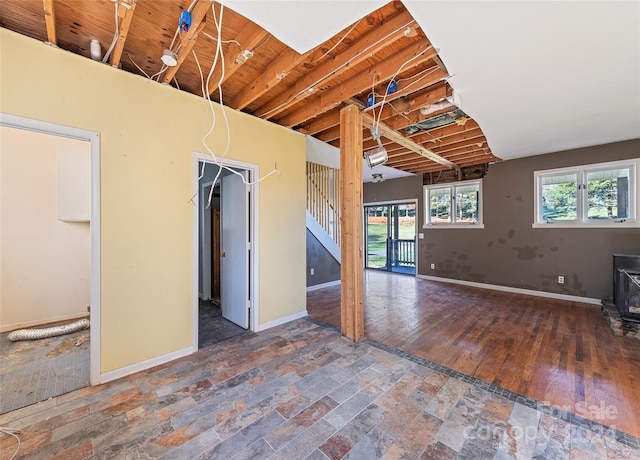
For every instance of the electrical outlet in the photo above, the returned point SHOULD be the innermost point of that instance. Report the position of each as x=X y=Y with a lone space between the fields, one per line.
x=560 y=279
x=313 y=271
x=433 y=266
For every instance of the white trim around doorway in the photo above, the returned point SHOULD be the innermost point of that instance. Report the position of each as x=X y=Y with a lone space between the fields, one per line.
x=254 y=200
x=14 y=121
x=385 y=203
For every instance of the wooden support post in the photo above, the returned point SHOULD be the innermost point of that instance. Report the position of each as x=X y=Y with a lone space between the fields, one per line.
x=351 y=267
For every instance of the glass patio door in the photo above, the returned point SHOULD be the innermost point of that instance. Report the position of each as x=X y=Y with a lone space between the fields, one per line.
x=390 y=235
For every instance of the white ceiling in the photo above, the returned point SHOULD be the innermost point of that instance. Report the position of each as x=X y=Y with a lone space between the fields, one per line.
x=538 y=76
x=328 y=155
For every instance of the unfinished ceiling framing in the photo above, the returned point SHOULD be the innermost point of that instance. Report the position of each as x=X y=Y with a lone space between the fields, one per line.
x=420 y=126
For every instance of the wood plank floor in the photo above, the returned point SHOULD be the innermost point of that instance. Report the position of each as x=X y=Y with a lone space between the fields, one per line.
x=554 y=351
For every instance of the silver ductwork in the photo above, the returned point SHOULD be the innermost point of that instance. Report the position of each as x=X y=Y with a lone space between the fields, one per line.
x=43 y=333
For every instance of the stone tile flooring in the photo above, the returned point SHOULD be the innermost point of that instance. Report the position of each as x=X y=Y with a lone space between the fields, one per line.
x=300 y=391
x=212 y=327
x=35 y=370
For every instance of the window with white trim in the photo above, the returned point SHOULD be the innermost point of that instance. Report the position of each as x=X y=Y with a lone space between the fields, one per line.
x=592 y=195
x=456 y=204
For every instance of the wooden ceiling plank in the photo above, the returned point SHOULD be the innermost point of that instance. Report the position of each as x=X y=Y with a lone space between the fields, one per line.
x=398 y=138
x=457 y=137
x=372 y=42
x=382 y=71
x=249 y=37
x=198 y=15
x=417 y=163
x=322 y=123
x=50 y=21
x=441 y=149
x=436 y=136
x=125 y=15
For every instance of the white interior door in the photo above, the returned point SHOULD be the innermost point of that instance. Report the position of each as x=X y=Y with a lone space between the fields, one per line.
x=234 y=253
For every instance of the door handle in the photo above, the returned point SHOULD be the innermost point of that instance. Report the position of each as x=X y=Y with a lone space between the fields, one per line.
x=223 y=254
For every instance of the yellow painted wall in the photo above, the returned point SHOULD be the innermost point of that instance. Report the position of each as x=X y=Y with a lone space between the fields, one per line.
x=44 y=262
x=148 y=133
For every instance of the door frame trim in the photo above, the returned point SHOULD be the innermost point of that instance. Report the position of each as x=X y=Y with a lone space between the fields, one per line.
x=254 y=226
x=54 y=129
x=386 y=203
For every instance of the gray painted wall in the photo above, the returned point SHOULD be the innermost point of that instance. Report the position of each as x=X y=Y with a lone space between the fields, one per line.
x=326 y=268
x=508 y=251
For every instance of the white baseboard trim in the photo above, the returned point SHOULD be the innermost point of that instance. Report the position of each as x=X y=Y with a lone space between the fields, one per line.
x=515 y=290
x=283 y=320
x=323 y=285
x=137 y=367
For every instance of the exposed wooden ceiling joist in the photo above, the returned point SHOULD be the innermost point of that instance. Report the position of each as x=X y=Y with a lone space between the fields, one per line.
x=125 y=15
x=384 y=70
x=274 y=82
x=273 y=75
x=188 y=39
x=432 y=91
x=249 y=37
x=362 y=49
x=50 y=21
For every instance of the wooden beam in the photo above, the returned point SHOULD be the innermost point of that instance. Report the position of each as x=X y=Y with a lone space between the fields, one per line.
x=50 y=21
x=398 y=138
x=351 y=266
x=249 y=37
x=325 y=121
x=269 y=78
x=125 y=15
x=384 y=70
x=198 y=15
x=372 y=42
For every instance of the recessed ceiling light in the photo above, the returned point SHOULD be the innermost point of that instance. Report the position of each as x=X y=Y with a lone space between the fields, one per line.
x=169 y=58
x=377 y=178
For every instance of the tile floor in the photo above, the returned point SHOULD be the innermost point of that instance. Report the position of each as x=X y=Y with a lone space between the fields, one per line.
x=35 y=370
x=301 y=391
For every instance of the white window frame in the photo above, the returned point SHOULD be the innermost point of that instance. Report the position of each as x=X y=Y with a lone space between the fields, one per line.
x=581 y=220
x=452 y=186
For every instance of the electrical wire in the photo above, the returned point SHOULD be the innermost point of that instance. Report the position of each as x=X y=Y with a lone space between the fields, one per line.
x=219 y=55
x=261 y=43
x=12 y=432
x=338 y=42
x=139 y=68
x=223 y=41
x=393 y=78
x=321 y=79
x=115 y=36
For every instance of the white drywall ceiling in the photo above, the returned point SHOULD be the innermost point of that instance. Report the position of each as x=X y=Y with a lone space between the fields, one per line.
x=322 y=153
x=538 y=76
x=303 y=24
x=541 y=77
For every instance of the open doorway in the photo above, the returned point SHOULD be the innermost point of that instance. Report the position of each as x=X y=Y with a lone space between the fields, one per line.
x=49 y=259
x=225 y=300
x=390 y=236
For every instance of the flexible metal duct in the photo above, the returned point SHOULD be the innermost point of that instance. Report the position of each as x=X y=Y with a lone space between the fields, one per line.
x=34 y=334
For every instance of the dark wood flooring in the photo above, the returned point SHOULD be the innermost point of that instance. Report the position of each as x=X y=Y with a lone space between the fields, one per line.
x=558 y=352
